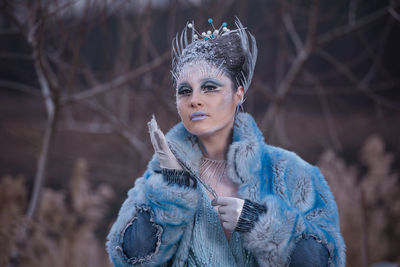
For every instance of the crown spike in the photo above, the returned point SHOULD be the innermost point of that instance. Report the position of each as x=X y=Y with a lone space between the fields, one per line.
x=206 y=35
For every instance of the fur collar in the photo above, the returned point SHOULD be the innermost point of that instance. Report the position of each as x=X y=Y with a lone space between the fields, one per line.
x=243 y=154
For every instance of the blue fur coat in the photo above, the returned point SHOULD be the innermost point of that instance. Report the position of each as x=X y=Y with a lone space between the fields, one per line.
x=299 y=202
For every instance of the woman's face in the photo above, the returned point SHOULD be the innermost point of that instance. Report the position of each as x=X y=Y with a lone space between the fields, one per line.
x=205 y=99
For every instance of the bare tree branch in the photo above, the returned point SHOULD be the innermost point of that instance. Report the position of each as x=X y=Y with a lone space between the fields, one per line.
x=50 y=95
x=281 y=55
x=287 y=19
x=353 y=11
x=394 y=14
x=378 y=55
x=122 y=63
x=42 y=163
x=47 y=84
x=62 y=7
x=304 y=54
x=328 y=37
x=332 y=131
x=265 y=89
x=34 y=32
x=279 y=132
x=298 y=64
x=120 y=127
x=87 y=127
x=354 y=79
x=346 y=90
x=117 y=82
x=20 y=87
x=9 y=31
x=15 y=56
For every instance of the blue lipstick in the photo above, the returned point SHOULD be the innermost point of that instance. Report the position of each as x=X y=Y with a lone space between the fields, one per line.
x=197 y=116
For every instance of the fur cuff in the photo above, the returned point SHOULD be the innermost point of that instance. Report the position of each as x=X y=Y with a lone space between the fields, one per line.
x=179 y=177
x=250 y=213
x=172 y=204
x=270 y=239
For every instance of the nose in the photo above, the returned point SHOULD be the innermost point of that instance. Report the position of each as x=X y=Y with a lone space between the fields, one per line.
x=196 y=100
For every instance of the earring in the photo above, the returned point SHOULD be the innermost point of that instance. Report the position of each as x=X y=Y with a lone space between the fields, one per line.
x=239 y=106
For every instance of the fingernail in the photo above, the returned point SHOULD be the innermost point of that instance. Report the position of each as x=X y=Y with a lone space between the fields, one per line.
x=214 y=202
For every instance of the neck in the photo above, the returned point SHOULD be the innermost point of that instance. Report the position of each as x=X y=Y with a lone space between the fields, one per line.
x=215 y=146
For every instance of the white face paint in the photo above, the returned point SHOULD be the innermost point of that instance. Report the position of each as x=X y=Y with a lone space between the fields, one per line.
x=205 y=99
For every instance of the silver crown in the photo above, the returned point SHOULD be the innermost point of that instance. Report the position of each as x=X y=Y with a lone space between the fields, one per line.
x=210 y=34
x=248 y=42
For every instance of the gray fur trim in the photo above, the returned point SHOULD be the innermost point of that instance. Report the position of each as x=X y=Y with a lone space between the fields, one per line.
x=184 y=246
x=269 y=240
x=298 y=199
x=172 y=204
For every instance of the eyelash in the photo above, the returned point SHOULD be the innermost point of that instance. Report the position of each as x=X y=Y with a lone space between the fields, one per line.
x=209 y=88
x=184 y=91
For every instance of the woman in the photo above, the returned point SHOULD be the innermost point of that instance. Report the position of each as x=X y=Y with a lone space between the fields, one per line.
x=214 y=193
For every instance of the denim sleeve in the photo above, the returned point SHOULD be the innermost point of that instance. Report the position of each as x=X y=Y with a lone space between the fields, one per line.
x=140 y=238
x=309 y=253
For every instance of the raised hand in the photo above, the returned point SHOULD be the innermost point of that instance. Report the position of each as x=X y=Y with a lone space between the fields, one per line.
x=165 y=157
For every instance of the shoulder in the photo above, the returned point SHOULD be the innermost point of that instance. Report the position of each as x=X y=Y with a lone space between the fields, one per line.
x=290 y=167
x=251 y=157
x=296 y=179
x=286 y=159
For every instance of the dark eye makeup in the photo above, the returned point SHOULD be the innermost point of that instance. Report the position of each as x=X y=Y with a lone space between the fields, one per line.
x=208 y=88
x=184 y=89
x=207 y=85
x=210 y=85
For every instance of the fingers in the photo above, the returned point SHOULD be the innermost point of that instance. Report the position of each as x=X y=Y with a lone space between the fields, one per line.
x=161 y=141
x=228 y=226
x=227 y=206
x=165 y=157
x=153 y=127
x=222 y=201
x=157 y=137
x=222 y=210
x=229 y=210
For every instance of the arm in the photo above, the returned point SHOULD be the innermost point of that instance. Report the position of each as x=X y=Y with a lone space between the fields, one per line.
x=153 y=219
x=307 y=252
x=300 y=213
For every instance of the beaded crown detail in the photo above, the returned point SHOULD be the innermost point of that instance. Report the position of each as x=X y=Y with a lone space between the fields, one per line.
x=201 y=47
x=209 y=34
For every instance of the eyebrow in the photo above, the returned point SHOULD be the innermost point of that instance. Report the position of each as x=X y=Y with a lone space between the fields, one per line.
x=183 y=84
x=206 y=80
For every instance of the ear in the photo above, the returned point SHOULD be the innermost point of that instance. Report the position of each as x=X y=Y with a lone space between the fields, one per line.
x=239 y=95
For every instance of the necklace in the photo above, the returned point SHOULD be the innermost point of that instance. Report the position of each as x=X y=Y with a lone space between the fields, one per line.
x=211 y=173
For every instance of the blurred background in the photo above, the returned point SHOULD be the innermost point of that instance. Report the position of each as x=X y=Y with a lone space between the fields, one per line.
x=79 y=79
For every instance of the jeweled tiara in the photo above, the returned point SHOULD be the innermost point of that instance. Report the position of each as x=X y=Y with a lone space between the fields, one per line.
x=210 y=34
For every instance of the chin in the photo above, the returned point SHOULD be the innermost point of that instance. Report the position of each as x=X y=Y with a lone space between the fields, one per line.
x=197 y=130
x=202 y=129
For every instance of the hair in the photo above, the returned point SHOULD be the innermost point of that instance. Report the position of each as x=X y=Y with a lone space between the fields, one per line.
x=234 y=53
